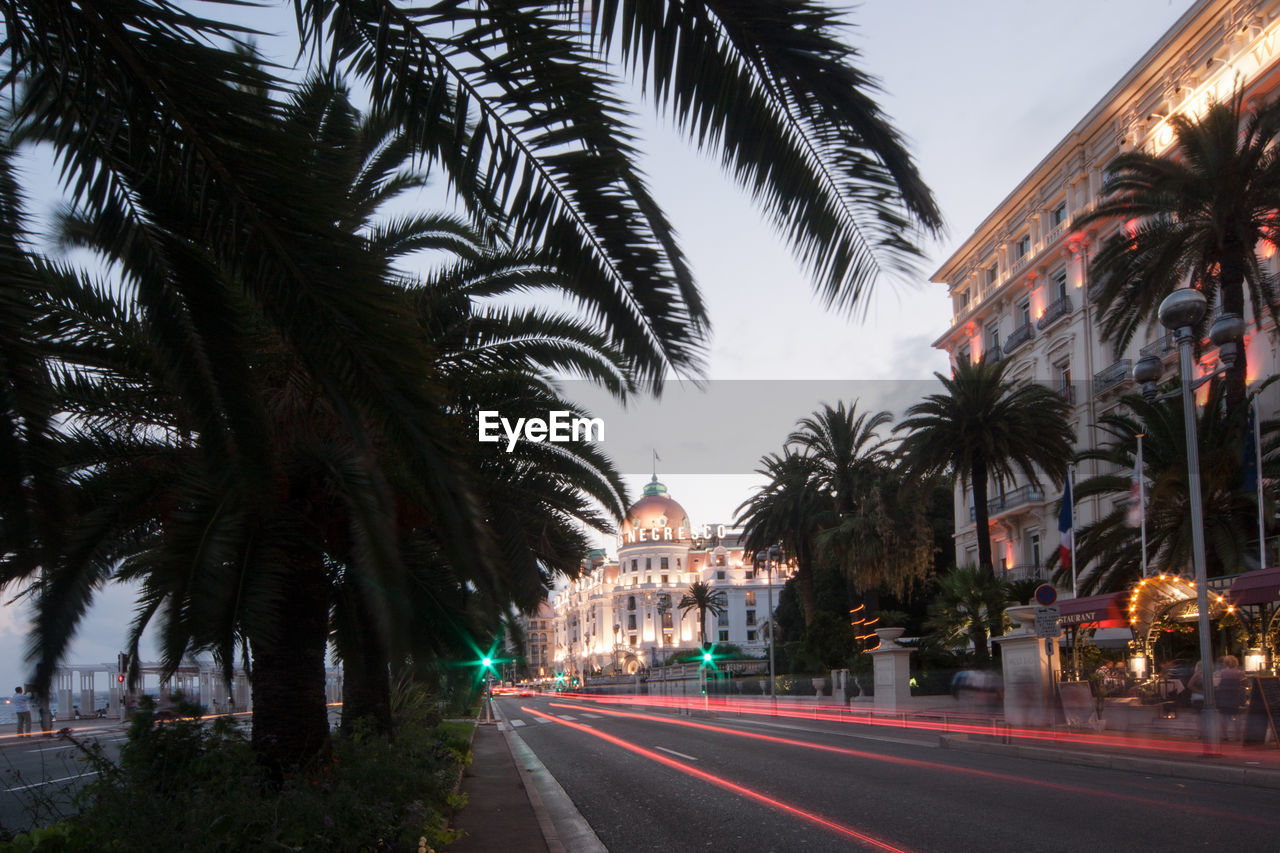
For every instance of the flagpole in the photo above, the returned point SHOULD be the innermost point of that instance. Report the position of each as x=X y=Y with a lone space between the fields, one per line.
x=1071 y=476
x=1257 y=449
x=1142 y=503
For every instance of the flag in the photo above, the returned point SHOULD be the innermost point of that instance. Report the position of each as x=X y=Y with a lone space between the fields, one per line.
x=1066 y=519
x=1251 y=453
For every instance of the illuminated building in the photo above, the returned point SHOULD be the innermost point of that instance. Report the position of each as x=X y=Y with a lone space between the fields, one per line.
x=1019 y=286
x=624 y=615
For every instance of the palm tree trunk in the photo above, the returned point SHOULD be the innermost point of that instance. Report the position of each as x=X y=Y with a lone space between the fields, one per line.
x=366 y=679
x=981 y=654
x=804 y=580
x=290 y=718
x=982 y=522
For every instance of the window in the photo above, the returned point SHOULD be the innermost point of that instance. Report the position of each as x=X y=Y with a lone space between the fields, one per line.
x=751 y=599
x=664 y=563
x=720 y=560
x=751 y=636
x=631 y=622
x=1064 y=375
x=993 y=338
x=993 y=274
x=751 y=617
x=666 y=620
x=664 y=580
x=666 y=639
x=631 y=602
x=963 y=356
x=1058 y=285
x=631 y=640
x=1059 y=215
x=723 y=619
x=1023 y=246
x=1024 y=312
x=1033 y=547
x=720 y=575
x=648 y=562
x=724 y=636
x=964 y=299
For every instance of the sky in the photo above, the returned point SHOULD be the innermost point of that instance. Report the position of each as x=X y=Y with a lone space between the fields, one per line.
x=982 y=89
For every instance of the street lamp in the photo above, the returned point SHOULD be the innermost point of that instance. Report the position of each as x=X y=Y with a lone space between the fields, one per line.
x=1181 y=312
x=768 y=559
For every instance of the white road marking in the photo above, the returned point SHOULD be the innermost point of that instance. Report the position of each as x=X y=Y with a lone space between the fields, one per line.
x=515 y=724
x=593 y=716
x=568 y=717
x=673 y=752
x=50 y=782
x=544 y=720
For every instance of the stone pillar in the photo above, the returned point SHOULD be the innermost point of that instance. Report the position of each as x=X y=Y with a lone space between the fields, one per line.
x=892 y=667
x=1031 y=667
x=86 y=694
x=840 y=686
x=63 y=680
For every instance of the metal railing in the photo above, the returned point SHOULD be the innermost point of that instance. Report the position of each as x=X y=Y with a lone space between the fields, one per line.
x=1105 y=380
x=1010 y=500
x=1018 y=337
x=1160 y=348
x=1057 y=309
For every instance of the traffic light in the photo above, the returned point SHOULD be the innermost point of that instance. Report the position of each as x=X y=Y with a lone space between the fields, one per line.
x=486 y=662
x=120 y=678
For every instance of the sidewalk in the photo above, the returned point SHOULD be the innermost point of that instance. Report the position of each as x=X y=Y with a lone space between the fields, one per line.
x=499 y=815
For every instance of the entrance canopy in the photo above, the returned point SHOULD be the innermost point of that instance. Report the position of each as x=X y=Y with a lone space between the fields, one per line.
x=1169 y=596
x=1094 y=611
x=1258 y=587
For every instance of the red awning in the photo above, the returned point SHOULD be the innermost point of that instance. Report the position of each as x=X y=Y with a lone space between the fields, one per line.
x=1095 y=611
x=1257 y=587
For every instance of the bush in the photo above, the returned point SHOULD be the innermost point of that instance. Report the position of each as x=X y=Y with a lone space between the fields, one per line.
x=188 y=785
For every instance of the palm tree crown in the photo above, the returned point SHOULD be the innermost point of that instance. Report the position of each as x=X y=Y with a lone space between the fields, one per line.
x=986 y=428
x=1199 y=215
x=704 y=599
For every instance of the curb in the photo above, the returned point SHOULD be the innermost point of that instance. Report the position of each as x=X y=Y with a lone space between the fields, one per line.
x=563 y=826
x=1257 y=777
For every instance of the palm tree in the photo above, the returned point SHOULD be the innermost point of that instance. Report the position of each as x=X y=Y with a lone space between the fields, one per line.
x=520 y=104
x=969 y=604
x=1200 y=215
x=702 y=598
x=1230 y=514
x=986 y=428
x=786 y=511
x=875 y=529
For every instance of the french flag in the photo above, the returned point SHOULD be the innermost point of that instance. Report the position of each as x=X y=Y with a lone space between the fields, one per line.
x=1066 y=521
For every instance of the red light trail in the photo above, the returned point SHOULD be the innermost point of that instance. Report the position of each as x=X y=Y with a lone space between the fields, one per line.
x=838 y=828
x=917 y=763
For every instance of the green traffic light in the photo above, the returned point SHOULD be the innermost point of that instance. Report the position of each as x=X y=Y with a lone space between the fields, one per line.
x=487 y=662
x=706 y=657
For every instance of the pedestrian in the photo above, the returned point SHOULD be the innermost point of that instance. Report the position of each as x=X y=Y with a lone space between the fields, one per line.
x=1229 y=693
x=21 y=710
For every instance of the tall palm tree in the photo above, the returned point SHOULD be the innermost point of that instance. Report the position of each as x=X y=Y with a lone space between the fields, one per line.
x=986 y=428
x=1200 y=214
x=521 y=104
x=969 y=604
x=704 y=599
x=1230 y=514
x=786 y=511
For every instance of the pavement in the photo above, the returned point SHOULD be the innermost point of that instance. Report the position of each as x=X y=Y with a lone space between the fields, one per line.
x=514 y=804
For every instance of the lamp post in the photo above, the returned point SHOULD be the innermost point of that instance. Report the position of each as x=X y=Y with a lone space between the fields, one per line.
x=768 y=558
x=1180 y=313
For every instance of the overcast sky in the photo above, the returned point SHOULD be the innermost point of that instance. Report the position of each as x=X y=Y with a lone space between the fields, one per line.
x=983 y=89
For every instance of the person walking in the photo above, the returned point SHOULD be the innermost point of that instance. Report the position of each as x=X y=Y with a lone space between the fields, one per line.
x=21 y=710
x=1229 y=694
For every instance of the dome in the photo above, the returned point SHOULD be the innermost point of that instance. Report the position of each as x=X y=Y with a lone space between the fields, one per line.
x=655 y=518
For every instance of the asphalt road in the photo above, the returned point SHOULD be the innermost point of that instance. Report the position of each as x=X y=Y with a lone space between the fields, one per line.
x=662 y=782
x=38 y=774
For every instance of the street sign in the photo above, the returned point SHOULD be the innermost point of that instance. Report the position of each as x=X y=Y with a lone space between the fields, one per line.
x=1046 y=595
x=1047 y=622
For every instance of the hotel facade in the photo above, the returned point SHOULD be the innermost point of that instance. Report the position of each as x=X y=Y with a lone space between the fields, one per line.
x=623 y=615
x=1020 y=288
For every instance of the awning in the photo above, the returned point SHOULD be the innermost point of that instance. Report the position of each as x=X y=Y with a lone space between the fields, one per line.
x=1261 y=586
x=1095 y=611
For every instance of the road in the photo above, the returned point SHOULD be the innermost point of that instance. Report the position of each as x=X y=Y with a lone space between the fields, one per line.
x=651 y=780
x=38 y=774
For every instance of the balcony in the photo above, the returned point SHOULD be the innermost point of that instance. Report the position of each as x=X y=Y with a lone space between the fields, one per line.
x=1057 y=309
x=1105 y=380
x=1026 y=572
x=1010 y=500
x=1161 y=348
x=1020 y=336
